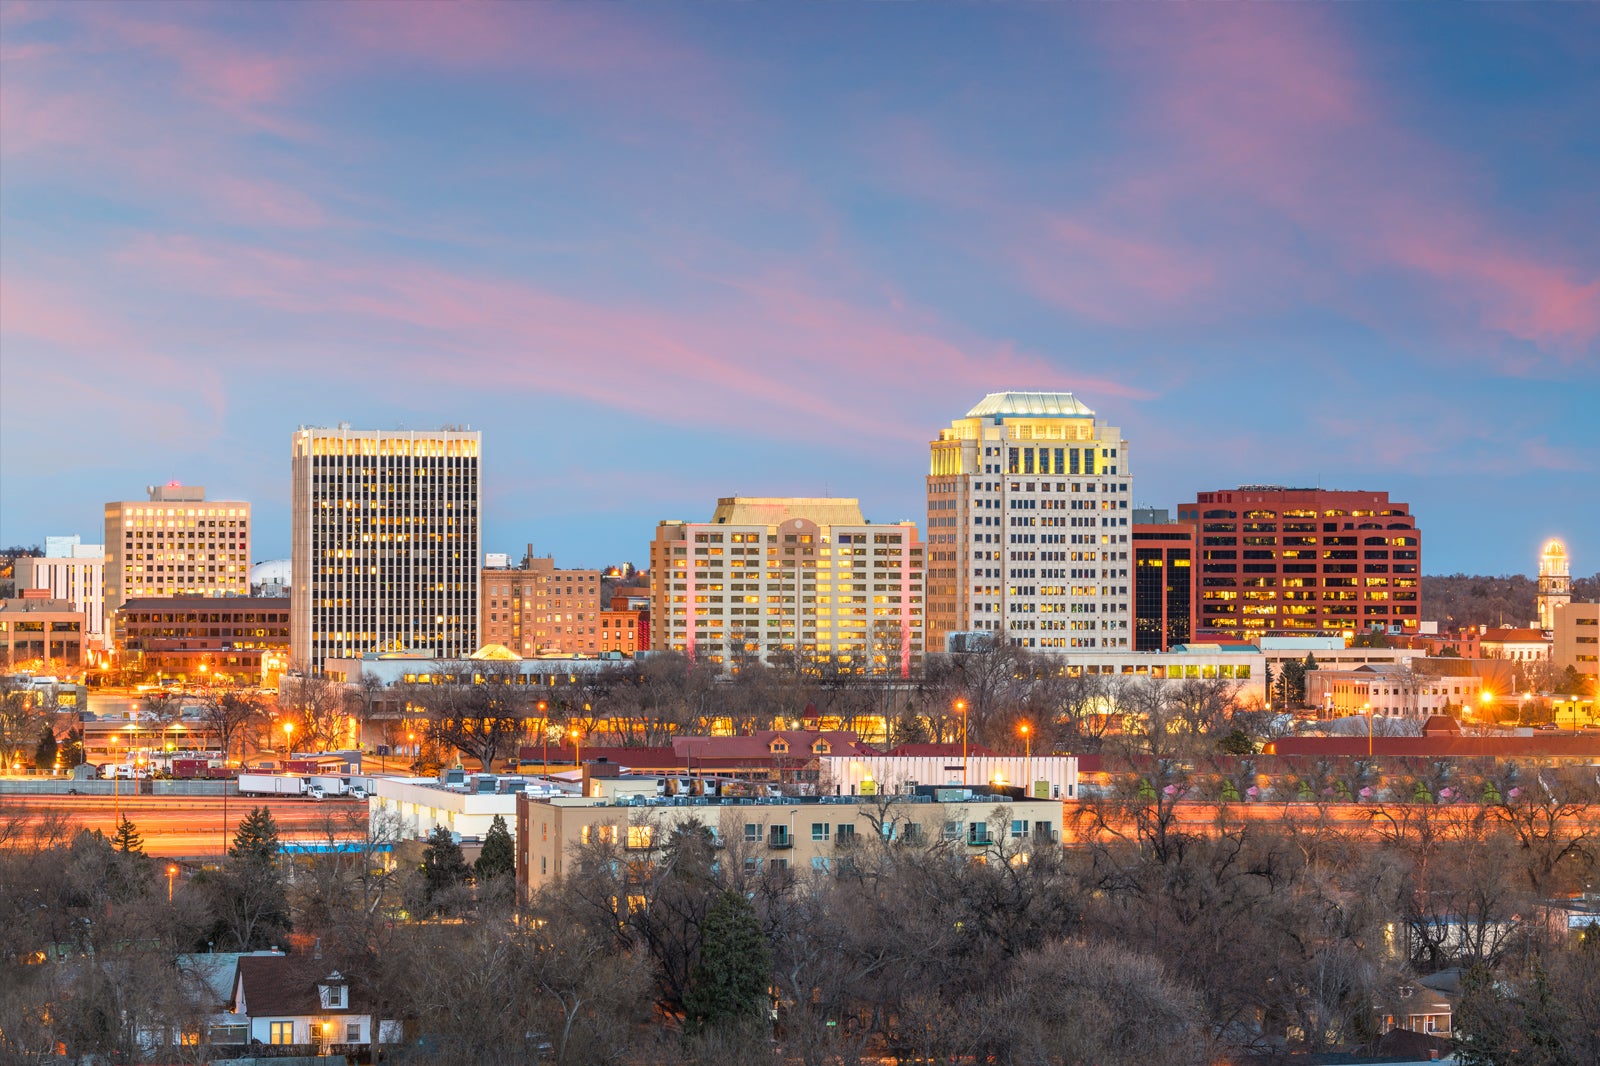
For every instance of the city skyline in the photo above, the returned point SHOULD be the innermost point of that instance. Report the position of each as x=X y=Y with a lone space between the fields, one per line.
x=660 y=257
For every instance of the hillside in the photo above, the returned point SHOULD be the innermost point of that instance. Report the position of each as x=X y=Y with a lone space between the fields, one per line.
x=1476 y=599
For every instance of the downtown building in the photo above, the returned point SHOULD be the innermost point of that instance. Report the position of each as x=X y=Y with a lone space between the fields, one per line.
x=537 y=608
x=1164 y=600
x=1029 y=524
x=1293 y=562
x=386 y=534
x=789 y=582
x=176 y=543
x=73 y=571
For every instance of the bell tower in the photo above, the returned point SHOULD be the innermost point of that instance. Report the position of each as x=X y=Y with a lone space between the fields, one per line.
x=1555 y=582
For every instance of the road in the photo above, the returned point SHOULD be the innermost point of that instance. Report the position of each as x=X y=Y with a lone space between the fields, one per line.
x=191 y=826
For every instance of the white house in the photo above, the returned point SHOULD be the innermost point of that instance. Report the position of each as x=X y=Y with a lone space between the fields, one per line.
x=296 y=1000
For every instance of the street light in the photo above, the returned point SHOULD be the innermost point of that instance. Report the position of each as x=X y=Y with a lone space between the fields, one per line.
x=544 y=727
x=116 y=781
x=288 y=739
x=1027 y=756
x=1368 y=708
x=172 y=871
x=961 y=709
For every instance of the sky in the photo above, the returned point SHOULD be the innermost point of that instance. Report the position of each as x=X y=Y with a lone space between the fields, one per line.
x=664 y=253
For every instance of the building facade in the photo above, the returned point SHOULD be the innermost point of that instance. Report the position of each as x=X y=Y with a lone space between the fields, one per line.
x=789 y=580
x=778 y=836
x=36 y=629
x=176 y=543
x=386 y=537
x=535 y=608
x=1277 y=560
x=1164 y=594
x=1393 y=690
x=1577 y=640
x=244 y=639
x=624 y=632
x=1029 y=525
x=73 y=571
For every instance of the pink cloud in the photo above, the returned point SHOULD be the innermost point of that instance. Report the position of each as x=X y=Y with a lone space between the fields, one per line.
x=1274 y=106
x=1109 y=276
x=768 y=354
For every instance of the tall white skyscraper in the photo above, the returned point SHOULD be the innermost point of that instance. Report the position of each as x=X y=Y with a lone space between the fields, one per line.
x=1029 y=524
x=386 y=541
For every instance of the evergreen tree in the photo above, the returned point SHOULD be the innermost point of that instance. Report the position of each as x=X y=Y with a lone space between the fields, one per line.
x=443 y=865
x=499 y=855
x=728 y=985
x=44 y=756
x=127 y=838
x=256 y=838
x=71 y=753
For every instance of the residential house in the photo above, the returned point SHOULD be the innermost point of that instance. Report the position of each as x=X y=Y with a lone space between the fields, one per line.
x=296 y=1000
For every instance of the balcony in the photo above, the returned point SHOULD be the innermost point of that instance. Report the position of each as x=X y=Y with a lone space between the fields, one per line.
x=780 y=840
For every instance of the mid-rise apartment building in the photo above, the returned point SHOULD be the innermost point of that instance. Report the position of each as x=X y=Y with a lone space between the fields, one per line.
x=537 y=608
x=241 y=639
x=785 y=836
x=176 y=543
x=386 y=533
x=73 y=571
x=1164 y=600
x=37 y=630
x=1276 y=560
x=1029 y=525
x=789 y=581
x=1577 y=638
x=623 y=632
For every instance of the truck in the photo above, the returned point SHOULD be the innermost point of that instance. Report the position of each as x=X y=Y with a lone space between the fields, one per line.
x=332 y=784
x=277 y=785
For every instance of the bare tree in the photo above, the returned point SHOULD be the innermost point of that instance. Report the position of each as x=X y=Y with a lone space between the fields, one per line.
x=228 y=712
x=316 y=707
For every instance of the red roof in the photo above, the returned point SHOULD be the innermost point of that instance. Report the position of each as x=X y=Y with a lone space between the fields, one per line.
x=1514 y=636
x=938 y=751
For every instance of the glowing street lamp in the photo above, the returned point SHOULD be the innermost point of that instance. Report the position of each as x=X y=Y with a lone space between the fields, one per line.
x=961 y=709
x=288 y=739
x=172 y=871
x=1367 y=707
x=1027 y=755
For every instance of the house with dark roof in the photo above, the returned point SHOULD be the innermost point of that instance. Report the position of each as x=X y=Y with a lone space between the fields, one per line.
x=298 y=1000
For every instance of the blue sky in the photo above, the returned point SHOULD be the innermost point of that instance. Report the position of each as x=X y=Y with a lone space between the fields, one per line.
x=664 y=253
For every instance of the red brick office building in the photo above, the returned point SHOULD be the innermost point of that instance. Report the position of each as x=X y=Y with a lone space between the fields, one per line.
x=1278 y=561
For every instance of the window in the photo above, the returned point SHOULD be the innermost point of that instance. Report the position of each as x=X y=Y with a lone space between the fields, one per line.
x=336 y=996
x=752 y=833
x=847 y=833
x=819 y=831
x=820 y=863
x=281 y=1032
x=352 y=1033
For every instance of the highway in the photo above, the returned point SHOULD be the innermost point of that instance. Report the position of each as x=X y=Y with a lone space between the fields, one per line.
x=190 y=827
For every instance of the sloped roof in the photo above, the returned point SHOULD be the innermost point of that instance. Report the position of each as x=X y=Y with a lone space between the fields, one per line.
x=286 y=986
x=939 y=751
x=1513 y=636
x=999 y=405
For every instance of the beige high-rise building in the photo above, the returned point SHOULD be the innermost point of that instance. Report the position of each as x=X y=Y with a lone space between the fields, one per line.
x=385 y=535
x=176 y=543
x=537 y=608
x=1028 y=525
x=786 y=581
